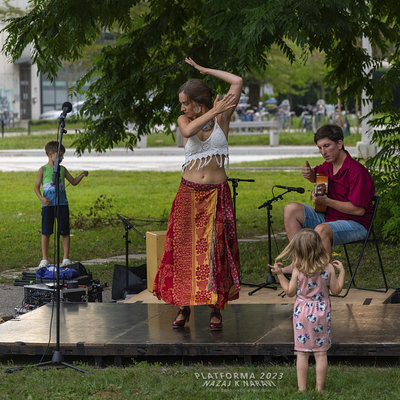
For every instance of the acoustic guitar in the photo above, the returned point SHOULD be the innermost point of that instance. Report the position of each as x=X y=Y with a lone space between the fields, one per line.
x=321 y=189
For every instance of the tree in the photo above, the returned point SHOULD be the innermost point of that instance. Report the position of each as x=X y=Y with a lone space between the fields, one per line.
x=136 y=79
x=291 y=80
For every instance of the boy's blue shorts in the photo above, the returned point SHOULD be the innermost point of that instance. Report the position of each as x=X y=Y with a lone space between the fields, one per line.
x=48 y=216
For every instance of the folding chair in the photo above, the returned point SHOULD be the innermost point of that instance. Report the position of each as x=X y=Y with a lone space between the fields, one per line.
x=370 y=238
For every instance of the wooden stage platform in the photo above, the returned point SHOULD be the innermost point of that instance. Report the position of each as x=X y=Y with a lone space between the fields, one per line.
x=363 y=324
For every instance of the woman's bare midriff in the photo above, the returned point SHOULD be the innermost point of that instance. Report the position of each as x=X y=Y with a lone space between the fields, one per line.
x=210 y=174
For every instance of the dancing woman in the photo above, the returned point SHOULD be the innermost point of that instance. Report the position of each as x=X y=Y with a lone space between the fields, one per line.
x=200 y=265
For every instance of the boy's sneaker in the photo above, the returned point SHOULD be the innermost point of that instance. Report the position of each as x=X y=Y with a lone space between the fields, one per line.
x=65 y=262
x=43 y=263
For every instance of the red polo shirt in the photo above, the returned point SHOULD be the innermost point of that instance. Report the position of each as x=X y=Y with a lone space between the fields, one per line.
x=351 y=183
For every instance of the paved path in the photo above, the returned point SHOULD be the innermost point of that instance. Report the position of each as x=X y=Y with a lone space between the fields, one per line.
x=146 y=159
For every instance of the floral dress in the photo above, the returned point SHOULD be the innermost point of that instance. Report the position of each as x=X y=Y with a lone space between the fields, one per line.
x=312 y=313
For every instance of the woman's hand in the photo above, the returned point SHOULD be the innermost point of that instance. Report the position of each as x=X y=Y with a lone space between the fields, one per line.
x=201 y=69
x=229 y=101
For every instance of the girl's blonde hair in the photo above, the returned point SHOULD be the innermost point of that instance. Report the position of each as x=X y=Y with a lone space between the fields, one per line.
x=307 y=252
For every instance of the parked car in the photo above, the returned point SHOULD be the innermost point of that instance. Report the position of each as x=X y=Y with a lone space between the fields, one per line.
x=55 y=114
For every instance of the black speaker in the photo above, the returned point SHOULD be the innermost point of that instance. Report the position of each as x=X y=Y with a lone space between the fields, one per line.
x=136 y=280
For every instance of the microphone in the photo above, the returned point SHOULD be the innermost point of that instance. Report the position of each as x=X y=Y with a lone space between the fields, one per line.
x=66 y=108
x=291 y=189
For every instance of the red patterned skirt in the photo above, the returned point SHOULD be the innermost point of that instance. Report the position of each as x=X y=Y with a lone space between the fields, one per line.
x=200 y=264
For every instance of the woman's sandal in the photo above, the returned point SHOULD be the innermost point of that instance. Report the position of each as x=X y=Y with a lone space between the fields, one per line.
x=180 y=323
x=216 y=326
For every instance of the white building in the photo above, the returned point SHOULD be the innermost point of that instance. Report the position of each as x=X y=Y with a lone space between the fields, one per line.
x=25 y=94
x=19 y=82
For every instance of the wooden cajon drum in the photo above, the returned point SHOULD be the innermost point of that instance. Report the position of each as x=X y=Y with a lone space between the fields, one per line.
x=154 y=251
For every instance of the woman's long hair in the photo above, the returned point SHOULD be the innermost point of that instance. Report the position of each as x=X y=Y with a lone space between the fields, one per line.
x=198 y=91
x=307 y=252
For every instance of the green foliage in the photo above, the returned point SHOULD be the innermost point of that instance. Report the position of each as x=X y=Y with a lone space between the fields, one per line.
x=294 y=78
x=385 y=166
x=391 y=229
x=100 y=214
x=62 y=23
x=388 y=218
x=134 y=80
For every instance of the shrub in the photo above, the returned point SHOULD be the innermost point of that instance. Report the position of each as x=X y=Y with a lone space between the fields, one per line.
x=100 y=214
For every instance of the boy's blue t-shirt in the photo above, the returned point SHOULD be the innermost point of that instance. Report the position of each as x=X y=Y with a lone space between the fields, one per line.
x=49 y=190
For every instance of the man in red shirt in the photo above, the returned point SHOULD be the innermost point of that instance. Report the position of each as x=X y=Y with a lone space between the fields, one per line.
x=350 y=192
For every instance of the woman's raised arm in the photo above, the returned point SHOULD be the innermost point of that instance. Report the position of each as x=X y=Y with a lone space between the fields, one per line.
x=235 y=81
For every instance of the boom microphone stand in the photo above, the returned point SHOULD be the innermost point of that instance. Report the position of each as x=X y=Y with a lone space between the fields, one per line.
x=127 y=226
x=57 y=359
x=268 y=204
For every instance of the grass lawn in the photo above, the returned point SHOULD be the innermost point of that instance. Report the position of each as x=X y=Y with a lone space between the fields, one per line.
x=145 y=198
x=178 y=381
x=285 y=138
x=33 y=141
x=157 y=140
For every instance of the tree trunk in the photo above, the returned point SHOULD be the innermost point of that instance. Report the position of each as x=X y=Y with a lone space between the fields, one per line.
x=254 y=95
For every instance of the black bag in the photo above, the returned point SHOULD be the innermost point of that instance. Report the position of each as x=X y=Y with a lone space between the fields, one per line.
x=79 y=268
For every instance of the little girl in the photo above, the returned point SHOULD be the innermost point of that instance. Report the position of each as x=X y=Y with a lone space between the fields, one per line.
x=312 y=278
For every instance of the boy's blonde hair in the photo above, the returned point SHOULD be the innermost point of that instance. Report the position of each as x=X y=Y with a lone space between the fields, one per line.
x=307 y=252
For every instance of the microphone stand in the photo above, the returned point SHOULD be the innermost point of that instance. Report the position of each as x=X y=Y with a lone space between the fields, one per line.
x=235 y=184
x=57 y=358
x=127 y=226
x=270 y=277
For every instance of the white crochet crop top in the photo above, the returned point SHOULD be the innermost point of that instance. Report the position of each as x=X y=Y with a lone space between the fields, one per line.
x=215 y=146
